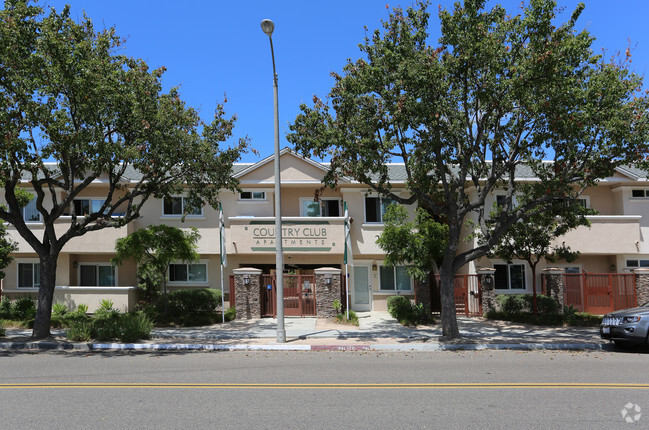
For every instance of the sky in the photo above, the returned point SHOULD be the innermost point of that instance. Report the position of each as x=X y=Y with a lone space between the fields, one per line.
x=213 y=49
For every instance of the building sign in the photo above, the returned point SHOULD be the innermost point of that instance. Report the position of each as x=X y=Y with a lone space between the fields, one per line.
x=298 y=236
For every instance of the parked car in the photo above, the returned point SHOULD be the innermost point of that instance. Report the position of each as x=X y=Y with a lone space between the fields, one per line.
x=627 y=326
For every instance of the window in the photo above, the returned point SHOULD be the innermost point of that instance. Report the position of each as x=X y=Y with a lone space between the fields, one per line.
x=509 y=276
x=252 y=195
x=188 y=273
x=97 y=274
x=501 y=199
x=29 y=275
x=179 y=205
x=330 y=207
x=308 y=207
x=30 y=213
x=375 y=208
x=637 y=263
x=639 y=193
x=394 y=279
x=83 y=207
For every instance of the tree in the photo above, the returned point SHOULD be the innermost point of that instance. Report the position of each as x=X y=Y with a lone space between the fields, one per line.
x=155 y=247
x=7 y=246
x=419 y=244
x=532 y=240
x=500 y=94
x=68 y=98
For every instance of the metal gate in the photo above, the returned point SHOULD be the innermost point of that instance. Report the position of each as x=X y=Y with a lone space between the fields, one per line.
x=599 y=293
x=299 y=295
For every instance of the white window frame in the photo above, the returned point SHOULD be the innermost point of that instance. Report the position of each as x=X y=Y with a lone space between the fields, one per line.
x=310 y=200
x=639 y=261
x=182 y=204
x=381 y=211
x=90 y=200
x=188 y=282
x=252 y=197
x=33 y=262
x=22 y=212
x=646 y=193
x=509 y=288
x=97 y=264
x=394 y=274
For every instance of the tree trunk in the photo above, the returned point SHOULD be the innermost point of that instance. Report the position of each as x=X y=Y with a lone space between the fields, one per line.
x=535 y=306
x=45 y=296
x=450 y=328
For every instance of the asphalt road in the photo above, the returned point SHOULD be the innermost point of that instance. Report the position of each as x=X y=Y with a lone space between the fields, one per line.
x=279 y=390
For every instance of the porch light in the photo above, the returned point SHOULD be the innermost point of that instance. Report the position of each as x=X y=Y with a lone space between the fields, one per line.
x=328 y=279
x=246 y=279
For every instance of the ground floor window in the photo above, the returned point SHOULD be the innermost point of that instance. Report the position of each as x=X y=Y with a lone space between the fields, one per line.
x=394 y=279
x=188 y=273
x=97 y=274
x=509 y=276
x=637 y=263
x=29 y=275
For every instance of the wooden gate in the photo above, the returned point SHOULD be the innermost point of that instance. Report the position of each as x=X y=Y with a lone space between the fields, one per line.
x=599 y=293
x=467 y=295
x=299 y=295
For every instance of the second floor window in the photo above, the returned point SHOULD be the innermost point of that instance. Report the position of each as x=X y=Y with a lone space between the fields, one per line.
x=30 y=213
x=375 y=208
x=87 y=206
x=178 y=206
x=252 y=195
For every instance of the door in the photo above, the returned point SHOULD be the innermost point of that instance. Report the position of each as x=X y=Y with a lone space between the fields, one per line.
x=362 y=287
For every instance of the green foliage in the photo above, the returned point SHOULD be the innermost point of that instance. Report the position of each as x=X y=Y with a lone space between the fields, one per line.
x=580 y=319
x=23 y=309
x=59 y=309
x=106 y=324
x=135 y=326
x=79 y=331
x=518 y=308
x=342 y=318
x=336 y=305
x=499 y=91
x=105 y=305
x=5 y=307
x=71 y=96
x=417 y=244
x=407 y=313
x=194 y=302
x=3 y=330
x=230 y=314
x=523 y=303
x=7 y=246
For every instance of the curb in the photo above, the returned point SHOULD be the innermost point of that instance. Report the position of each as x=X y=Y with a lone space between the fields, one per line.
x=54 y=346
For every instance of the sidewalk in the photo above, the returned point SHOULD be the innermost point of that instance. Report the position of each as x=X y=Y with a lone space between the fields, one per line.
x=376 y=331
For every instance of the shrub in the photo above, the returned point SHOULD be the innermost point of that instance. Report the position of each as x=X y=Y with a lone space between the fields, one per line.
x=3 y=331
x=230 y=314
x=23 y=309
x=79 y=331
x=513 y=304
x=59 y=309
x=184 y=303
x=342 y=318
x=407 y=313
x=5 y=308
x=135 y=326
x=105 y=324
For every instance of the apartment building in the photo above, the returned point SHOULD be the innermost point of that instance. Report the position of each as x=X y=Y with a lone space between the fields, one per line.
x=313 y=236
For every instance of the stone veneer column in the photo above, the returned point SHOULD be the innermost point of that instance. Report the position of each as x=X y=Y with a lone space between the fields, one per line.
x=487 y=289
x=325 y=293
x=554 y=284
x=247 y=296
x=641 y=285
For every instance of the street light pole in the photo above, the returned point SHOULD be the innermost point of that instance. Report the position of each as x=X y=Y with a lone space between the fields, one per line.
x=267 y=27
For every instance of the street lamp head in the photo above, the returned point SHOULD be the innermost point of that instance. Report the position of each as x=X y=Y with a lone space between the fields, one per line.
x=267 y=26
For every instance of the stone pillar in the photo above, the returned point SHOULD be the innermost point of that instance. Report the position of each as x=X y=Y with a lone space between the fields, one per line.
x=327 y=289
x=641 y=285
x=554 y=284
x=487 y=283
x=247 y=293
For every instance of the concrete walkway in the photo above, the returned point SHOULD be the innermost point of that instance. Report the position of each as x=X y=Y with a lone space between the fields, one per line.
x=376 y=331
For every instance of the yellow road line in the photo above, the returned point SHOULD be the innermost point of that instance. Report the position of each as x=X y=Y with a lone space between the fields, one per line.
x=342 y=386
